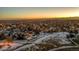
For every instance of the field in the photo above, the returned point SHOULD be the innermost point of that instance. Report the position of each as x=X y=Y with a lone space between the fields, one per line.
x=47 y=34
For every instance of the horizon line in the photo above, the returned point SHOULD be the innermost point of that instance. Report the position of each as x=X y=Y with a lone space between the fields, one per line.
x=40 y=18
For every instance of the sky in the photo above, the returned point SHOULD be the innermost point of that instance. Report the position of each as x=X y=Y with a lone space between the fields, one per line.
x=38 y=12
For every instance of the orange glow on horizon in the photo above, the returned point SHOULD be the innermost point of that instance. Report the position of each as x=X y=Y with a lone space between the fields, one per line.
x=33 y=13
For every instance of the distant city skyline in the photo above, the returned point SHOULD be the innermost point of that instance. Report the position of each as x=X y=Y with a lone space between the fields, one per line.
x=38 y=12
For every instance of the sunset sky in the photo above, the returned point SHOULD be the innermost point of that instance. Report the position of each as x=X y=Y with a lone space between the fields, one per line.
x=37 y=12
